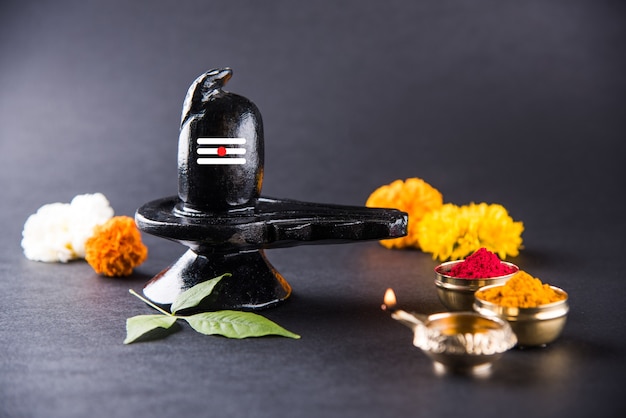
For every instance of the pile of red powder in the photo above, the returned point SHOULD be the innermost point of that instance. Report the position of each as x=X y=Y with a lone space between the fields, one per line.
x=481 y=265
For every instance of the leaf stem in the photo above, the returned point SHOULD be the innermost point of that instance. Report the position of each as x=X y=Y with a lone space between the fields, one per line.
x=132 y=292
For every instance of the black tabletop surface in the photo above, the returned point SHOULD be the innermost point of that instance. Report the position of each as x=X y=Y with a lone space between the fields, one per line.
x=516 y=103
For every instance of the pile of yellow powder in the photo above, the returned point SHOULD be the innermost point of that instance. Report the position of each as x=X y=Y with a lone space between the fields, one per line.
x=521 y=291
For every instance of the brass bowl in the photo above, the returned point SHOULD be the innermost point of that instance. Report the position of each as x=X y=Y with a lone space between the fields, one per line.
x=533 y=326
x=463 y=341
x=457 y=294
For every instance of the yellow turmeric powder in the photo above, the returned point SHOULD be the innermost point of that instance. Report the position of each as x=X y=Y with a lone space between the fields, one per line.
x=521 y=291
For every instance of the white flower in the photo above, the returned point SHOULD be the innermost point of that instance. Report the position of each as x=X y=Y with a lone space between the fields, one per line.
x=58 y=231
x=87 y=212
x=46 y=235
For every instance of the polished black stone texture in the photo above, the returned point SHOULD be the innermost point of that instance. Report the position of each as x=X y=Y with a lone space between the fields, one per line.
x=210 y=112
x=220 y=217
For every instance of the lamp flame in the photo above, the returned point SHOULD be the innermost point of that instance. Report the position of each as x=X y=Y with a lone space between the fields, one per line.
x=389 y=299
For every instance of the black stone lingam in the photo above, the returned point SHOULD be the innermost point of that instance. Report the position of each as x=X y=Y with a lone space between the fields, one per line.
x=221 y=217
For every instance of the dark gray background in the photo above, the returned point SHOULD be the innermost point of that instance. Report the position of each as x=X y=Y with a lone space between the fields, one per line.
x=520 y=103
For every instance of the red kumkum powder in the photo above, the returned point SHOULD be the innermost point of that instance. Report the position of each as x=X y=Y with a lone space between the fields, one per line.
x=482 y=264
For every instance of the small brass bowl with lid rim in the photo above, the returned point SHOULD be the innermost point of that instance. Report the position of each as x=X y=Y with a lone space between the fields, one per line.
x=537 y=326
x=457 y=294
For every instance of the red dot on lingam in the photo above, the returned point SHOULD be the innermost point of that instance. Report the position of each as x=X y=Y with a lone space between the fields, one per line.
x=221 y=151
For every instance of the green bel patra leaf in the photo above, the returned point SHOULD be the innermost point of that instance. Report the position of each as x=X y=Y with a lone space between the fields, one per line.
x=228 y=323
x=191 y=297
x=140 y=325
x=236 y=324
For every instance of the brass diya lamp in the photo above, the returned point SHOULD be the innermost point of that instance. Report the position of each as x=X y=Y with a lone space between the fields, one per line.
x=464 y=342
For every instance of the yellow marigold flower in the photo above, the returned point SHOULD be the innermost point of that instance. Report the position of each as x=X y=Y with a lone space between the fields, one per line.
x=413 y=196
x=454 y=232
x=115 y=248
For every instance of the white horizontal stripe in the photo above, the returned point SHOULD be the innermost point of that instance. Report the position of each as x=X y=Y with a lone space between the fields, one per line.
x=213 y=151
x=220 y=161
x=220 y=141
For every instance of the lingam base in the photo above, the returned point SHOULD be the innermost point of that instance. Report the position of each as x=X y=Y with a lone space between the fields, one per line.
x=254 y=284
x=234 y=242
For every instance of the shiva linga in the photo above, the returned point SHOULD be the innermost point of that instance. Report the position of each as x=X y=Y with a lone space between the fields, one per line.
x=219 y=213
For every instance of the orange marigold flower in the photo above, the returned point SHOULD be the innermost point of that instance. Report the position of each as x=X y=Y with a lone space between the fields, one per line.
x=413 y=196
x=115 y=248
